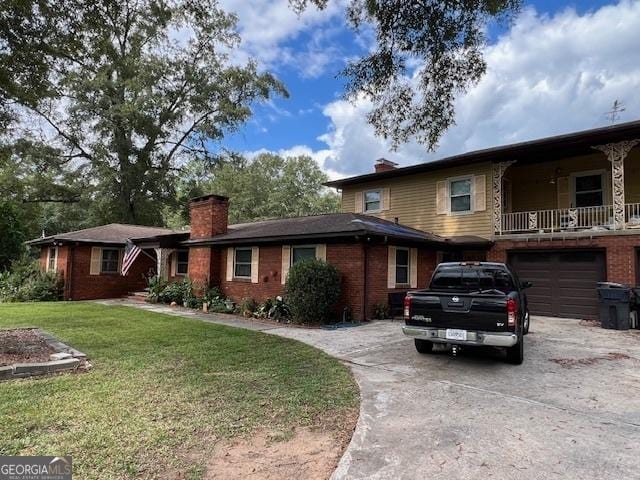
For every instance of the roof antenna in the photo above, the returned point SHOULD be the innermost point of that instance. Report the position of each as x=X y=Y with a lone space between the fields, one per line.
x=614 y=114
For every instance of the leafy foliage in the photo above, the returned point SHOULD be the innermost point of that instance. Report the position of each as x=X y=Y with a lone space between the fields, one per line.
x=443 y=38
x=11 y=233
x=269 y=186
x=120 y=93
x=381 y=311
x=312 y=291
x=26 y=283
x=274 y=309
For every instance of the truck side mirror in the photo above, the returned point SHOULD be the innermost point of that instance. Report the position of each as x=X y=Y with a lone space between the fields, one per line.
x=525 y=285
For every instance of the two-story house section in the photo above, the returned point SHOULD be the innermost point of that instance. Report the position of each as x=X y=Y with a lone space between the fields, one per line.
x=564 y=211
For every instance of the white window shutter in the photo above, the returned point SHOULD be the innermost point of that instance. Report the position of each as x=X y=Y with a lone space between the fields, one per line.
x=321 y=252
x=479 y=193
x=286 y=263
x=564 y=192
x=413 y=267
x=174 y=263
x=96 y=261
x=255 y=264
x=48 y=259
x=386 y=199
x=230 y=254
x=120 y=257
x=442 y=197
x=391 y=268
x=359 y=208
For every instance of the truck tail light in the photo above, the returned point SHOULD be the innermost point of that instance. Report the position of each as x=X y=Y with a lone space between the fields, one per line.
x=407 y=308
x=512 y=311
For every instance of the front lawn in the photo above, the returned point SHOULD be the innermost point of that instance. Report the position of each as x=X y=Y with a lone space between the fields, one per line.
x=162 y=391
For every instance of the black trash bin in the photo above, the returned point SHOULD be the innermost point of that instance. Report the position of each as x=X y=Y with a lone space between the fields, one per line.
x=614 y=304
x=635 y=306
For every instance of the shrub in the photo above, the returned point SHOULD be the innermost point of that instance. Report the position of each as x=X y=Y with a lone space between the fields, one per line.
x=248 y=306
x=156 y=287
x=381 y=311
x=312 y=291
x=26 y=283
x=274 y=309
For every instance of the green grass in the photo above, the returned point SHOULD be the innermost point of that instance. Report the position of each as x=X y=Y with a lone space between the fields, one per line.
x=162 y=391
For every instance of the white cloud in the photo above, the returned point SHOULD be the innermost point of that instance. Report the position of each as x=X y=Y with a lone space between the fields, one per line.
x=547 y=75
x=266 y=26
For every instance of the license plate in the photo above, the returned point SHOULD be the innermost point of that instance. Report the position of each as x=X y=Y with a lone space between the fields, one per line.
x=453 y=334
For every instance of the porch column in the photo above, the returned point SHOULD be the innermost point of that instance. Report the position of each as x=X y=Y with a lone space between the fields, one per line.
x=162 y=257
x=616 y=153
x=498 y=173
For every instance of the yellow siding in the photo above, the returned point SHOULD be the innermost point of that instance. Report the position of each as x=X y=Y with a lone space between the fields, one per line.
x=413 y=201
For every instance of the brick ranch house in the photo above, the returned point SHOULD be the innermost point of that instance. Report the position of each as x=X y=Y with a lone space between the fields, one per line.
x=563 y=211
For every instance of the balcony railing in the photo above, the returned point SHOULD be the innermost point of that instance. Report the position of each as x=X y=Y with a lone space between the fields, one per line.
x=568 y=219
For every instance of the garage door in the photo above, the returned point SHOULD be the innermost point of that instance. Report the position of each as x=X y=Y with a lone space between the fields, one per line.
x=564 y=282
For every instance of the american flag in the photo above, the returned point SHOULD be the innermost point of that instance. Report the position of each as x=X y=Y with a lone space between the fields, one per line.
x=131 y=252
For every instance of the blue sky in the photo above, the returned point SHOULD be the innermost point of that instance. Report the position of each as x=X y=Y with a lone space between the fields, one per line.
x=557 y=68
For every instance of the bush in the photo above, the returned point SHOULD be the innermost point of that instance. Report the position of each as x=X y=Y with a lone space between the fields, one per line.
x=312 y=291
x=274 y=309
x=381 y=311
x=248 y=306
x=26 y=283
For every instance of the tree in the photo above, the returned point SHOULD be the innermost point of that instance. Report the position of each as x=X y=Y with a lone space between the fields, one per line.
x=443 y=37
x=11 y=233
x=269 y=186
x=122 y=92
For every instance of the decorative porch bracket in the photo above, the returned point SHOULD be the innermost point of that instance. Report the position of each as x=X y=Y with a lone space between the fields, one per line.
x=162 y=258
x=498 y=173
x=616 y=153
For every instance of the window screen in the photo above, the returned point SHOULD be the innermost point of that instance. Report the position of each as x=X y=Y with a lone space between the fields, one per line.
x=242 y=267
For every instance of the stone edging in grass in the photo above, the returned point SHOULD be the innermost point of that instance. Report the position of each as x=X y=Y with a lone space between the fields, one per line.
x=65 y=358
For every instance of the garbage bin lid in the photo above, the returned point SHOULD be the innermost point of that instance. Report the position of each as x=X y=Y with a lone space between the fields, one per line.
x=611 y=285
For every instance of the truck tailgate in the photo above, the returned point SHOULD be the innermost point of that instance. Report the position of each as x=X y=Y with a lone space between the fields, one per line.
x=460 y=311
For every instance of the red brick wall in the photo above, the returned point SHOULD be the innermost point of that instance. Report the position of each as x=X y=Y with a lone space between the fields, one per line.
x=200 y=265
x=269 y=280
x=83 y=286
x=209 y=216
x=347 y=258
x=620 y=252
x=378 y=259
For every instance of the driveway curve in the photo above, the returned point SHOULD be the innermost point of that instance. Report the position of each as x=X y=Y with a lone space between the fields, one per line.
x=571 y=411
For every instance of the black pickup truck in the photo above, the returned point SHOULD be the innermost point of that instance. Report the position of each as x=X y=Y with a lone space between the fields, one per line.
x=470 y=304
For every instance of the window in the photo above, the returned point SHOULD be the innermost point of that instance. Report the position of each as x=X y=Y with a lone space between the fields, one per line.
x=52 y=259
x=402 y=266
x=373 y=201
x=242 y=263
x=302 y=253
x=471 y=278
x=460 y=195
x=588 y=188
x=182 y=262
x=110 y=257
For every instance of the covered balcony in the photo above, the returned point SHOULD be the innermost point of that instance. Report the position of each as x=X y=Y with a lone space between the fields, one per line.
x=588 y=189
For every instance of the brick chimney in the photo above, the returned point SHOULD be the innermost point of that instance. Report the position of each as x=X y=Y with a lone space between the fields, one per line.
x=384 y=165
x=209 y=216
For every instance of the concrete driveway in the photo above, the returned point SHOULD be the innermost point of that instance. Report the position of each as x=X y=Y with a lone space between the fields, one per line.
x=571 y=411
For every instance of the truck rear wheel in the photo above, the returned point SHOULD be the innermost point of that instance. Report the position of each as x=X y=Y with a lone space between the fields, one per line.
x=423 y=346
x=515 y=354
